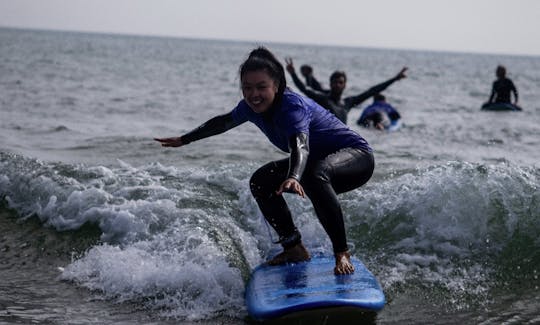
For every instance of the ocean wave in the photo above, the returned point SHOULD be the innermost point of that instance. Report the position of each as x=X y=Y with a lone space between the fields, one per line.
x=182 y=240
x=455 y=229
x=185 y=280
x=171 y=239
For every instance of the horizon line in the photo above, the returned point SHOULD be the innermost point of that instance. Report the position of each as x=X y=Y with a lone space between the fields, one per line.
x=389 y=48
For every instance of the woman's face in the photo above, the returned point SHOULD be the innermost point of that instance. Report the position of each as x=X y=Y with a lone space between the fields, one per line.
x=259 y=90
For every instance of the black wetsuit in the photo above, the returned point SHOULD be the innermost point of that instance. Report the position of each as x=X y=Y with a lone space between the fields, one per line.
x=339 y=172
x=341 y=107
x=501 y=91
x=315 y=84
x=326 y=157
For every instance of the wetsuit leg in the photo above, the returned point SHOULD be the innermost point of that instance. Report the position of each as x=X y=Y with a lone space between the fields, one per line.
x=339 y=172
x=263 y=184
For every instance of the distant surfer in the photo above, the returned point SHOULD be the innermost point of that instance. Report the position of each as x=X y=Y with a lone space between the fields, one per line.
x=502 y=89
x=332 y=100
x=326 y=157
x=312 y=82
x=380 y=114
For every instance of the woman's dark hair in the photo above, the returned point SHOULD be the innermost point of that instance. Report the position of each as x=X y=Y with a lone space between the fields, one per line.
x=262 y=59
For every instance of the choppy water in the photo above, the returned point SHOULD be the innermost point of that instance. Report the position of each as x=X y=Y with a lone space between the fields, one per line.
x=98 y=224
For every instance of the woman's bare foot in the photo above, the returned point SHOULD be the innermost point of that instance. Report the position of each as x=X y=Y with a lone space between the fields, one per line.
x=343 y=264
x=297 y=253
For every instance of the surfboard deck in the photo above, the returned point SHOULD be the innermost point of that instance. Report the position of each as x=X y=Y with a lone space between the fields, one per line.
x=394 y=125
x=277 y=291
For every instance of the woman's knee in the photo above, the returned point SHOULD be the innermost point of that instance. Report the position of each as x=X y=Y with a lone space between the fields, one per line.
x=263 y=182
x=257 y=184
x=319 y=173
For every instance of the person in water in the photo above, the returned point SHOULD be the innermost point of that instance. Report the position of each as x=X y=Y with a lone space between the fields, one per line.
x=311 y=81
x=379 y=114
x=332 y=100
x=325 y=156
x=502 y=88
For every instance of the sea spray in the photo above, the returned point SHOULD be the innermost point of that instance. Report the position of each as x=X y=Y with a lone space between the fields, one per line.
x=185 y=258
x=446 y=228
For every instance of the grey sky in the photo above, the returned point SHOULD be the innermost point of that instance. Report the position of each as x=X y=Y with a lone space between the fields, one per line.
x=487 y=26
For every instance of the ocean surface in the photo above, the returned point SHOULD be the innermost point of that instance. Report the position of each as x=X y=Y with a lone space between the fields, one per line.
x=99 y=224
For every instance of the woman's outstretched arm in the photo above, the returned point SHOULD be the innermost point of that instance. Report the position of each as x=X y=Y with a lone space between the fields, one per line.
x=214 y=126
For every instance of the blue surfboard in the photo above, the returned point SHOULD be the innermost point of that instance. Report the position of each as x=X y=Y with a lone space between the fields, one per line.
x=275 y=291
x=394 y=125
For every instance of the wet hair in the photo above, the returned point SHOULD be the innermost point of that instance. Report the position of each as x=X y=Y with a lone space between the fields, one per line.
x=338 y=74
x=262 y=59
x=500 y=71
x=306 y=69
x=379 y=97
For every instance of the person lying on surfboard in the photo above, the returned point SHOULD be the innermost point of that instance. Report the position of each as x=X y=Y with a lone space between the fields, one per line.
x=326 y=157
x=380 y=114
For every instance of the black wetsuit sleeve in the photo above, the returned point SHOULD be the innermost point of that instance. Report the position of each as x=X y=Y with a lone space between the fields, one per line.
x=492 y=96
x=299 y=149
x=514 y=90
x=314 y=83
x=216 y=125
x=363 y=120
x=313 y=94
x=352 y=101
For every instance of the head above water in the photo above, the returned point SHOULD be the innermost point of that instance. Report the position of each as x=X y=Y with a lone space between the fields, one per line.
x=379 y=98
x=338 y=82
x=500 y=72
x=306 y=70
x=262 y=79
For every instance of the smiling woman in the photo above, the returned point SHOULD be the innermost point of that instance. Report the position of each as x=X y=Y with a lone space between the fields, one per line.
x=259 y=90
x=326 y=157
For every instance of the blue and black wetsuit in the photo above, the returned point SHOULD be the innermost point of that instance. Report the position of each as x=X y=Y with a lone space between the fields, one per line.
x=326 y=157
x=377 y=112
x=501 y=91
x=341 y=107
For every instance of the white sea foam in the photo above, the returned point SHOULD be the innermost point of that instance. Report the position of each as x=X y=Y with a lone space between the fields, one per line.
x=177 y=274
x=439 y=226
x=181 y=242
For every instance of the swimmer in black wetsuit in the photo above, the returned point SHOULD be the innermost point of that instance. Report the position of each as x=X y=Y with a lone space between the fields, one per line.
x=311 y=81
x=332 y=100
x=326 y=157
x=502 y=87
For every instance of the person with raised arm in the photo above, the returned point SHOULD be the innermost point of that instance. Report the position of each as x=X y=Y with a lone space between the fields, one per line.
x=333 y=100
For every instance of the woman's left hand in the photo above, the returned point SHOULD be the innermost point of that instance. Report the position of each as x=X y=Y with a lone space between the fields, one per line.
x=171 y=142
x=291 y=185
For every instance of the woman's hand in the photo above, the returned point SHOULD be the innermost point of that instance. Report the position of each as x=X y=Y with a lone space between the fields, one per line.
x=291 y=185
x=170 y=142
